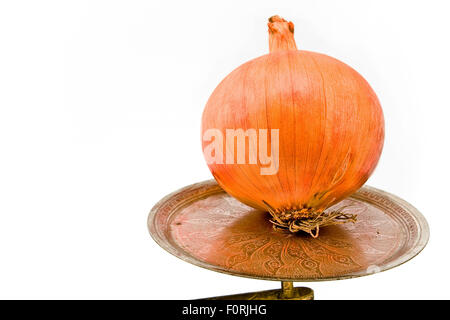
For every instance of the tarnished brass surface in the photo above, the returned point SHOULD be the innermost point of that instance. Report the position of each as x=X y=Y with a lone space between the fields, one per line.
x=287 y=292
x=203 y=225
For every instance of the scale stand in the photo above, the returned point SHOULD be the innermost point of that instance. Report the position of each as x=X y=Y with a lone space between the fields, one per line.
x=287 y=292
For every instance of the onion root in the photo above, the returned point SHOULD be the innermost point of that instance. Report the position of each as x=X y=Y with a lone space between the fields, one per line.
x=307 y=220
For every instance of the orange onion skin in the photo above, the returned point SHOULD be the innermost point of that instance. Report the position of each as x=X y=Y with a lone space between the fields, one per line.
x=331 y=127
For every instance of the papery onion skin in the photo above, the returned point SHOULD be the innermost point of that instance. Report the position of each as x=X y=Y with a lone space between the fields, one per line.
x=331 y=126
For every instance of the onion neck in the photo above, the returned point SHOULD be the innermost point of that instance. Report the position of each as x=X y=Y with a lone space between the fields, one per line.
x=281 y=35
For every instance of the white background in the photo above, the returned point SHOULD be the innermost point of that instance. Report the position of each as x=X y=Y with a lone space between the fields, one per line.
x=100 y=107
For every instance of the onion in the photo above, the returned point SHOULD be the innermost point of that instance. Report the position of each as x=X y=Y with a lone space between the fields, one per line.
x=314 y=133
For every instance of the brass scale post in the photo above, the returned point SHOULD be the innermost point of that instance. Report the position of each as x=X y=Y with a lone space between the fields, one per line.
x=287 y=292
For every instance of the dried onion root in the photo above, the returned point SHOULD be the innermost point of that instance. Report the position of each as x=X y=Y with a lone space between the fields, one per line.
x=307 y=221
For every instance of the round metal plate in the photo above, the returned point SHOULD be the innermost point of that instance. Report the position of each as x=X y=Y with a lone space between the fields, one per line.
x=203 y=225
